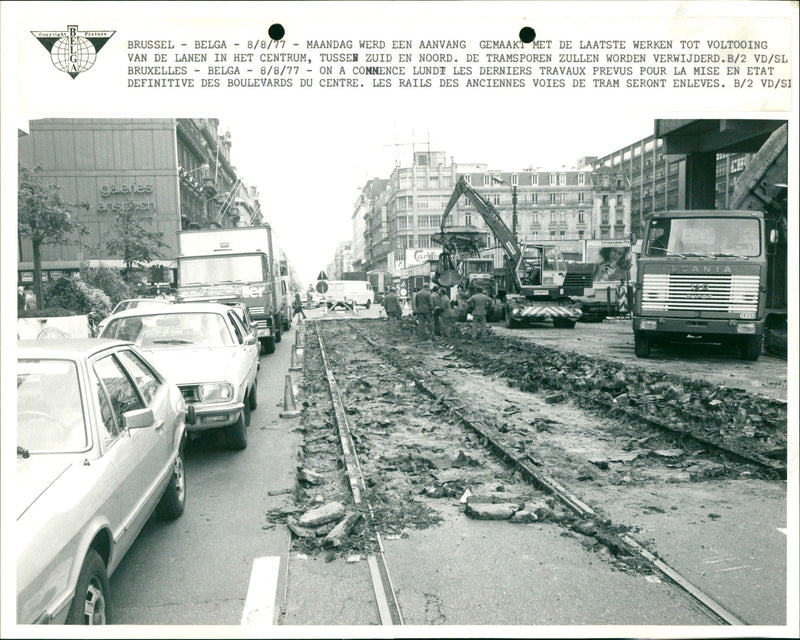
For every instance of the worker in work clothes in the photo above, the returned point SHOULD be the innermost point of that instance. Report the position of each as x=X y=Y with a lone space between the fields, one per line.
x=444 y=314
x=478 y=304
x=391 y=303
x=424 y=309
x=297 y=306
x=435 y=307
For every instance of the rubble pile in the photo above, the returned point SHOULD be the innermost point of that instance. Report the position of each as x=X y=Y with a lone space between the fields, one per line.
x=720 y=415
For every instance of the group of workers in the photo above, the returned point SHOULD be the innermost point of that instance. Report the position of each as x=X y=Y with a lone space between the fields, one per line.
x=433 y=311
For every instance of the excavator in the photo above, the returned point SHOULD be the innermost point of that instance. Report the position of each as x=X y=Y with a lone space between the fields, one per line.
x=534 y=272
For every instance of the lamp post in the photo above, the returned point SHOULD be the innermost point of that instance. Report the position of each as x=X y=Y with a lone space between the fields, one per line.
x=513 y=204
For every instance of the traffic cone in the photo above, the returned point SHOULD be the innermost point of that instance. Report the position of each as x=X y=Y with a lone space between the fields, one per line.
x=290 y=409
x=295 y=365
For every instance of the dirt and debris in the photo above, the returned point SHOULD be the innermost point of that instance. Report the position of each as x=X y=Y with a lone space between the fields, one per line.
x=421 y=466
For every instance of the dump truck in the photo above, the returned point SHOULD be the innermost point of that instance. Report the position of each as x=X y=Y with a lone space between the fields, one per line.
x=720 y=275
x=534 y=272
x=240 y=262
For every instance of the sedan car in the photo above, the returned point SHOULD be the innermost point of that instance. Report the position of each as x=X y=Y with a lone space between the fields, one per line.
x=132 y=303
x=207 y=351
x=100 y=436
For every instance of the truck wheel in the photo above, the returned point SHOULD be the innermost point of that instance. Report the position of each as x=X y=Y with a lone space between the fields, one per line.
x=509 y=321
x=641 y=344
x=563 y=323
x=236 y=434
x=278 y=333
x=268 y=344
x=173 y=501
x=750 y=347
x=92 y=601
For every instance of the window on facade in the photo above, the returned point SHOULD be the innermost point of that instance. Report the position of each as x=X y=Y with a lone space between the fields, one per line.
x=534 y=199
x=422 y=203
x=605 y=200
x=552 y=234
x=562 y=234
x=424 y=242
x=580 y=234
x=581 y=197
x=562 y=218
x=562 y=178
x=581 y=178
x=535 y=218
x=534 y=179
x=535 y=235
x=552 y=217
x=496 y=199
x=737 y=164
x=487 y=181
x=562 y=199
x=553 y=179
x=514 y=179
x=468 y=179
x=468 y=219
x=581 y=217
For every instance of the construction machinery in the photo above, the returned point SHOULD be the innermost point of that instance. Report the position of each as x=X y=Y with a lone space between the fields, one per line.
x=720 y=275
x=534 y=273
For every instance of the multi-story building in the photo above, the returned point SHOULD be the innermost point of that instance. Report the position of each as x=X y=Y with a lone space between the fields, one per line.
x=658 y=180
x=565 y=205
x=342 y=261
x=176 y=174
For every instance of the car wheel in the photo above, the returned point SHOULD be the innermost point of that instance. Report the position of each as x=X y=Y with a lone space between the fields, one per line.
x=253 y=400
x=173 y=501
x=641 y=345
x=278 y=334
x=268 y=344
x=236 y=435
x=92 y=601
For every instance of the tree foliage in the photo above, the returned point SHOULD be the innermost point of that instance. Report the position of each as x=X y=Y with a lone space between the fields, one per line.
x=76 y=295
x=133 y=242
x=108 y=280
x=44 y=217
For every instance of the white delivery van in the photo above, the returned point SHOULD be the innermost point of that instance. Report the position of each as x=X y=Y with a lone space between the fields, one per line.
x=337 y=291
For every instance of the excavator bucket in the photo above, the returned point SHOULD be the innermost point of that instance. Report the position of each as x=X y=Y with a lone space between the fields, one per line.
x=446 y=274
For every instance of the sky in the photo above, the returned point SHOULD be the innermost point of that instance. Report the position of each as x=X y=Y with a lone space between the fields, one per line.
x=310 y=174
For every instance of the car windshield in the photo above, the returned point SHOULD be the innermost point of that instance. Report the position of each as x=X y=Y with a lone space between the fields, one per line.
x=50 y=416
x=710 y=237
x=161 y=331
x=133 y=304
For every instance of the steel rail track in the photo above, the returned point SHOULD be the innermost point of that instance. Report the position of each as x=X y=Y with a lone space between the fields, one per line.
x=540 y=480
x=385 y=595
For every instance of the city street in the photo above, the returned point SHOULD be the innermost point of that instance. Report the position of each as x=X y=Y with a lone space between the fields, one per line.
x=240 y=504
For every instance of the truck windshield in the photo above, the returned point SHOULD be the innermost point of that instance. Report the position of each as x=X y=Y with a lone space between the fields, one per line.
x=220 y=269
x=710 y=237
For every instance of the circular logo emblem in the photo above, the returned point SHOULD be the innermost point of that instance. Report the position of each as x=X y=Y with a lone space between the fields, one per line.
x=81 y=58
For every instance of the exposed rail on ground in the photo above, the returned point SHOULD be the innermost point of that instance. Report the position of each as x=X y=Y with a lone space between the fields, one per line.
x=546 y=483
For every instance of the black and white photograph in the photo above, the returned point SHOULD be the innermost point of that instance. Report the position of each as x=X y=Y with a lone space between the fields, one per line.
x=399 y=319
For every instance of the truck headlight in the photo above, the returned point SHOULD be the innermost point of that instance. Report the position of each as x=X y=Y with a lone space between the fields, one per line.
x=746 y=327
x=215 y=392
x=649 y=324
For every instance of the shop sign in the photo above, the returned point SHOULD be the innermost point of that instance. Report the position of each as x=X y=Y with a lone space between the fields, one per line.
x=26 y=276
x=126 y=204
x=421 y=256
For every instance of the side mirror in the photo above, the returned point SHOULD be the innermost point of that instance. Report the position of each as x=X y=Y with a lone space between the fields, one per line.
x=251 y=339
x=138 y=418
x=773 y=236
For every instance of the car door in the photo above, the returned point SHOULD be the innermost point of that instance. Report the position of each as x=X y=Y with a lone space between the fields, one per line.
x=248 y=346
x=133 y=452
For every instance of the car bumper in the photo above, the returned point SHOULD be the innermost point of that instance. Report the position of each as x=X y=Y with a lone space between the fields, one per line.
x=214 y=416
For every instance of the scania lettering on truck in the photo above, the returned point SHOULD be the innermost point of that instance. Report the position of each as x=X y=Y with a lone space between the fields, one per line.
x=237 y=261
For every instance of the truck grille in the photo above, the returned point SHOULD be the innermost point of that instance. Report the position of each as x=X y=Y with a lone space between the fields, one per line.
x=257 y=311
x=689 y=292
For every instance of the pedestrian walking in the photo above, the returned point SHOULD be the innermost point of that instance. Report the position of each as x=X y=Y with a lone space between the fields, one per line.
x=297 y=307
x=391 y=304
x=424 y=306
x=444 y=314
x=478 y=305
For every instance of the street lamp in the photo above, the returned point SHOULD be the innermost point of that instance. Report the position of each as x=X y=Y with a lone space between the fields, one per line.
x=513 y=204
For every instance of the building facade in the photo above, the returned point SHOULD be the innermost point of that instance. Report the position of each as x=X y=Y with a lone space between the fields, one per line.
x=175 y=174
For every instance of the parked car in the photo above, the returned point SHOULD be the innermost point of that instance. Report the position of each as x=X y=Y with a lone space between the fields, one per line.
x=100 y=435
x=132 y=303
x=207 y=351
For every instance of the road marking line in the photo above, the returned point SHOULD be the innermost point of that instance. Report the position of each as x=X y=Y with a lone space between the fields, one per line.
x=259 y=606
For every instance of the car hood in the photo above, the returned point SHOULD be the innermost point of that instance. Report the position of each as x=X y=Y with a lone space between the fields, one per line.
x=36 y=474
x=190 y=366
